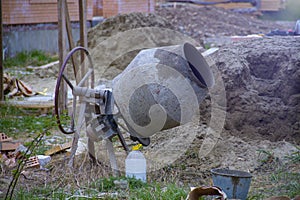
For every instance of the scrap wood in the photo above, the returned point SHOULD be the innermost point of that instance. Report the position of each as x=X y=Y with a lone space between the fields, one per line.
x=15 y=87
x=29 y=104
x=198 y=192
x=20 y=151
x=44 y=66
x=223 y=3
x=42 y=106
x=58 y=148
x=10 y=162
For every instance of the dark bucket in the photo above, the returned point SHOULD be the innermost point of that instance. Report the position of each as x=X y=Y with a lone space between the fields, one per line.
x=234 y=183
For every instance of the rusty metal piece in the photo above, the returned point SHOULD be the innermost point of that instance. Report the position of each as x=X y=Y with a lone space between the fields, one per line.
x=198 y=192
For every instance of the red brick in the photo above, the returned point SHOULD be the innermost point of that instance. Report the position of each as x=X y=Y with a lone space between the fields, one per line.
x=32 y=162
x=9 y=146
x=4 y=138
x=114 y=7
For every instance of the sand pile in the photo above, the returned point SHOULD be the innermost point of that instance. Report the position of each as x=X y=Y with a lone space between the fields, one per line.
x=262 y=79
x=262 y=84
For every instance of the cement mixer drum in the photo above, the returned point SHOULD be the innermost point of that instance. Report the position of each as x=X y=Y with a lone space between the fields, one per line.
x=162 y=88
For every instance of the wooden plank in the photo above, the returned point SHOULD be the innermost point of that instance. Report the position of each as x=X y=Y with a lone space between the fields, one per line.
x=270 y=5
x=29 y=104
x=234 y=5
x=1 y=56
x=62 y=51
x=83 y=35
x=70 y=39
x=58 y=148
x=48 y=1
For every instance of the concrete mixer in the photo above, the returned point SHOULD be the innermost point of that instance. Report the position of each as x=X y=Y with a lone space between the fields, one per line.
x=158 y=90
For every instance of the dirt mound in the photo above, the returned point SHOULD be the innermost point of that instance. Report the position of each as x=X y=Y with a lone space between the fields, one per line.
x=262 y=84
x=116 y=41
x=262 y=80
x=263 y=105
x=201 y=22
x=124 y=22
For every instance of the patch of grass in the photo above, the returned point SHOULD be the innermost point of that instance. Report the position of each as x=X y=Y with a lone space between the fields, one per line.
x=295 y=156
x=41 y=193
x=286 y=183
x=15 y=122
x=40 y=149
x=107 y=189
x=282 y=181
x=137 y=190
x=34 y=58
x=265 y=156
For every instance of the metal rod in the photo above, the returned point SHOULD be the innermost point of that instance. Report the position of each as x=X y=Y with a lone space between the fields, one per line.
x=112 y=157
x=68 y=81
x=80 y=84
x=122 y=140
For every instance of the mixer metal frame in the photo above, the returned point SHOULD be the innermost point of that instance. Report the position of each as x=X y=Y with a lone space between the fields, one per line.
x=95 y=110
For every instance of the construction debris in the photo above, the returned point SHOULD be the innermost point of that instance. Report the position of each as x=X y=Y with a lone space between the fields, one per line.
x=43 y=160
x=15 y=87
x=197 y=192
x=9 y=162
x=9 y=146
x=12 y=151
x=4 y=138
x=44 y=66
x=58 y=148
x=6 y=143
x=32 y=162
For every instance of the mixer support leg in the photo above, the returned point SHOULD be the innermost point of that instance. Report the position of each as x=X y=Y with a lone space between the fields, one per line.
x=77 y=134
x=112 y=157
x=91 y=150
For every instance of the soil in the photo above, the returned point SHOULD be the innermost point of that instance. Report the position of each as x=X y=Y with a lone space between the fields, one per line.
x=261 y=78
x=262 y=88
x=201 y=22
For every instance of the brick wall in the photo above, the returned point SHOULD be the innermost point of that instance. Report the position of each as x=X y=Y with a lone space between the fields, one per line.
x=39 y=11
x=97 y=7
x=114 y=7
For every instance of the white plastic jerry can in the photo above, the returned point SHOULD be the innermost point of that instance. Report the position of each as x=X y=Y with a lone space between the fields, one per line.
x=135 y=164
